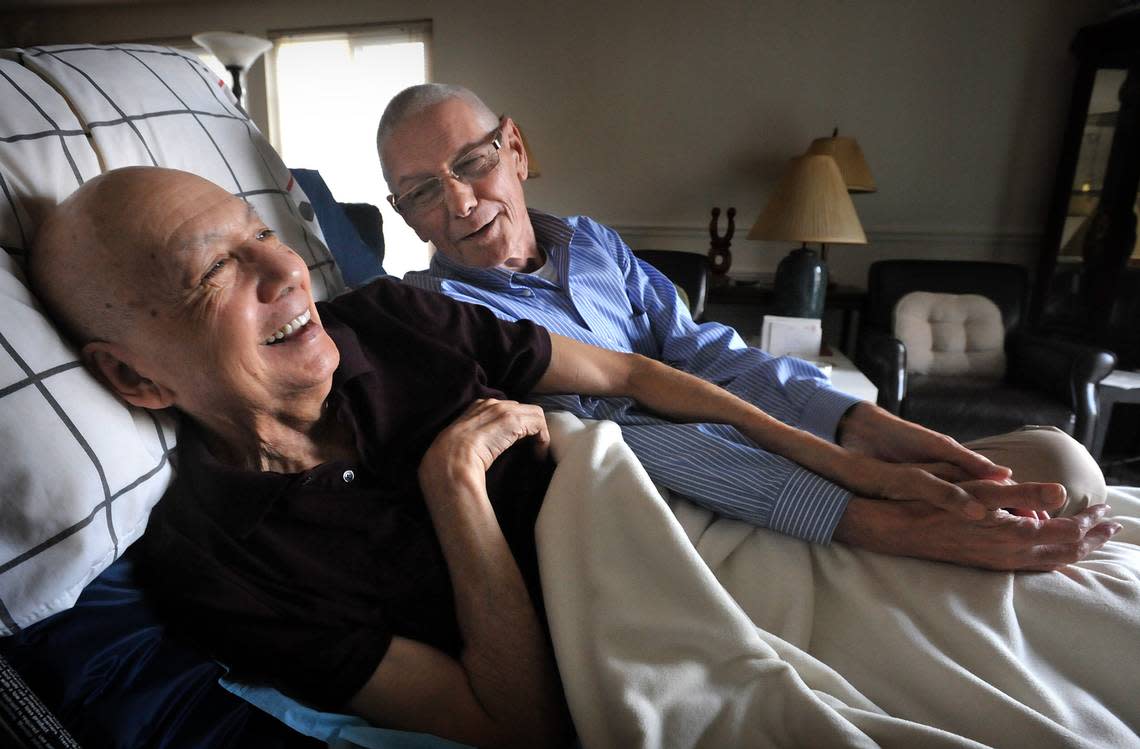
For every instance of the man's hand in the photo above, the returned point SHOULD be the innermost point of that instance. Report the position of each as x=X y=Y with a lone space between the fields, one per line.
x=873 y=431
x=940 y=486
x=477 y=438
x=1001 y=541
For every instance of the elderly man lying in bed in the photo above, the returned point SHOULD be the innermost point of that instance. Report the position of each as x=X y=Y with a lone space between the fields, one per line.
x=357 y=489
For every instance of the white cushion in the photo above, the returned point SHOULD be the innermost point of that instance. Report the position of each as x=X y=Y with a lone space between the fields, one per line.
x=79 y=470
x=951 y=334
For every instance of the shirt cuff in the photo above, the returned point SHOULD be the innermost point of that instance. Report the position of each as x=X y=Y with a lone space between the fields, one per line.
x=809 y=507
x=823 y=410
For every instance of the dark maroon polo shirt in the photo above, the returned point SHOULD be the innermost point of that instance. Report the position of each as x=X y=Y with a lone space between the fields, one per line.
x=301 y=580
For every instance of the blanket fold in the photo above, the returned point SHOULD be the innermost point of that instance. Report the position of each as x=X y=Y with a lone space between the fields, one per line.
x=676 y=628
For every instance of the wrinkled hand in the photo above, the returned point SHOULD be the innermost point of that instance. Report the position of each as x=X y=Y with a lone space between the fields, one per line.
x=942 y=487
x=479 y=436
x=905 y=461
x=1000 y=541
x=872 y=431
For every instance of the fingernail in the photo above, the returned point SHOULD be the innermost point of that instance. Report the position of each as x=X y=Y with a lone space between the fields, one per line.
x=975 y=510
x=1114 y=529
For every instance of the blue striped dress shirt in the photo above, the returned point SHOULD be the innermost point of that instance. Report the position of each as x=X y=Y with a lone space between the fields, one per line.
x=609 y=298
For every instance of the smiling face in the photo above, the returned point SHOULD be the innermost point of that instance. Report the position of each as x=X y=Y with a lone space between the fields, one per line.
x=483 y=224
x=223 y=324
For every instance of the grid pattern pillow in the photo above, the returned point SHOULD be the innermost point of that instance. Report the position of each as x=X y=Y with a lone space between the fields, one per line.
x=79 y=470
x=155 y=106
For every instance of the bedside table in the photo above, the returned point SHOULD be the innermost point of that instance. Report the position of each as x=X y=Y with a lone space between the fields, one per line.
x=844 y=375
x=760 y=297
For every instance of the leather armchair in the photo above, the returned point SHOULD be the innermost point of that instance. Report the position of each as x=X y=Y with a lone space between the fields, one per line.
x=687 y=270
x=1047 y=381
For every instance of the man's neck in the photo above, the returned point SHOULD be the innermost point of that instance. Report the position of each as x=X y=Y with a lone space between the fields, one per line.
x=530 y=256
x=281 y=442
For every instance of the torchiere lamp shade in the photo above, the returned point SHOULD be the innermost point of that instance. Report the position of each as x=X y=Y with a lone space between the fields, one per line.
x=236 y=52
x=233 y=49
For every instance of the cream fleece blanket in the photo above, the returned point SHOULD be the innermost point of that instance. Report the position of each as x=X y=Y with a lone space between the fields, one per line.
x=681 y=629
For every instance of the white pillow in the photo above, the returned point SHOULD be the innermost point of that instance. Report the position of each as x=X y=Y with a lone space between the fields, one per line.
x=951 y=334
x=79 y=470
x=44 y=153
x=156 y=106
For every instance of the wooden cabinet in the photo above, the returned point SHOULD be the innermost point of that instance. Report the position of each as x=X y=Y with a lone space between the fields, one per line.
x=1088 y=275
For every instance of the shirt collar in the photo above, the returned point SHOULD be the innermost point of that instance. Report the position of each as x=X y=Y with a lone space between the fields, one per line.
x=551 y=233
x=235 y=498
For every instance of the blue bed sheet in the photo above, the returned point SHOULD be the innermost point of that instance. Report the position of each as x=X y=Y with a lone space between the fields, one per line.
x=115 y=678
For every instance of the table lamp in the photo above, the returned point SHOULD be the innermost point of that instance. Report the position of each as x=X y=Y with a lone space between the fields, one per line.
x=849 y=156
x=237 y=52
x=810 y=204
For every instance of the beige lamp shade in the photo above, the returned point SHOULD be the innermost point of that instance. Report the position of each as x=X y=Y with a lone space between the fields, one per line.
x=233 y=50
x=849 y=156
x=532 y=169
x=810 y=204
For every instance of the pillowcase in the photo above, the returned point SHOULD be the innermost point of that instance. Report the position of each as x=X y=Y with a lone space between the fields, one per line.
x=79 y=470
x=156 y=106
x=951 y=334
x=44 y=153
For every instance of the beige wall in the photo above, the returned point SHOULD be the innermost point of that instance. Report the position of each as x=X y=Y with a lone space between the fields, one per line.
x=646 y=114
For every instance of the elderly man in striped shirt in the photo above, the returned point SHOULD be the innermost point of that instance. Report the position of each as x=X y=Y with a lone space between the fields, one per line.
x=456 y=169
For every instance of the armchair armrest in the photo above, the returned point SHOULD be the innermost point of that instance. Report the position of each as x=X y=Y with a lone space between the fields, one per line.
x=1068 y=370
x=882 y=358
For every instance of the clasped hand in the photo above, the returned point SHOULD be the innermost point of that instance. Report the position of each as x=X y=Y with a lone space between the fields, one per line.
x=962 y=507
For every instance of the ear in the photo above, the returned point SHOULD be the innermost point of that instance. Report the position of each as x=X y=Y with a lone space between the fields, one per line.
x=107 y=361
x=514 y=144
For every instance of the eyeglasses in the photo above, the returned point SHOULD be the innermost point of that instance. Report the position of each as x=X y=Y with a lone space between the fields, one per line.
x=473 y=165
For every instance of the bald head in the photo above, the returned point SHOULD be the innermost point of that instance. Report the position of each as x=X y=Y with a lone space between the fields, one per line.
x=415 y=99
x=92 y=256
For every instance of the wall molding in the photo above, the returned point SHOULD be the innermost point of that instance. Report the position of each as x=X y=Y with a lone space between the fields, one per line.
x=848 y=264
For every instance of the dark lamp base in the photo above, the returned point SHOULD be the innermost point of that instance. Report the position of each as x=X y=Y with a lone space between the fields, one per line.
x=801 y=284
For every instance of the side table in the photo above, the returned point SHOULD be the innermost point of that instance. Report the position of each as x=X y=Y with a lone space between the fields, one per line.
x=761 y=297
x=847 y=378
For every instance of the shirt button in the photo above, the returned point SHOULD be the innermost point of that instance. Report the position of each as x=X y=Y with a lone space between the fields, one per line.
x=348 y=476
x=528 y=292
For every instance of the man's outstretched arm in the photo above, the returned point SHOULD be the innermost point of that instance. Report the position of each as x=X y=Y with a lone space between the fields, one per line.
x=579 y=368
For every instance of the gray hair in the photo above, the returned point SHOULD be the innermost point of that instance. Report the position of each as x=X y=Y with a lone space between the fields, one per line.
x=416 y=99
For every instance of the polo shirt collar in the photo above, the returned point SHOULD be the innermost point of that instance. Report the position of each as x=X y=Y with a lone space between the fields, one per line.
x=553 y=236
x=353 y=361
x=235 y=498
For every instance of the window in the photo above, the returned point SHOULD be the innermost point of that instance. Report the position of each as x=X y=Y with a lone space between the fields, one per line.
x=327 y=91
